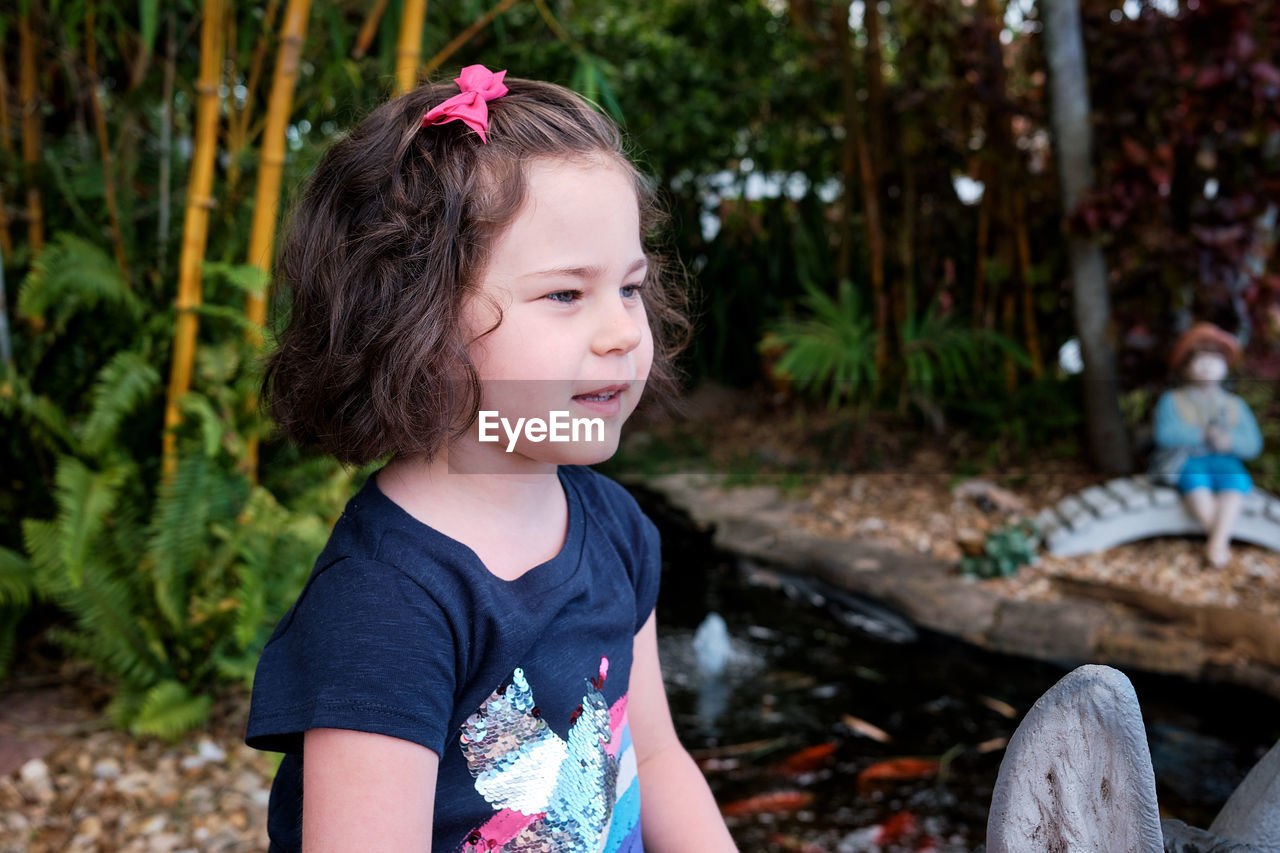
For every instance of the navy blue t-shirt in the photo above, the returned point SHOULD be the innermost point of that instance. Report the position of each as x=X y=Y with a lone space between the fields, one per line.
x=519 y=686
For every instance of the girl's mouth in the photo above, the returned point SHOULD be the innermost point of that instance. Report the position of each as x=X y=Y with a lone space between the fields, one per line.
x=604 y=401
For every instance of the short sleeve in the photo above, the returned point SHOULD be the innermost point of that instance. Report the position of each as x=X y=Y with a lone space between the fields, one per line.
x=364 y=648
x=648 y=570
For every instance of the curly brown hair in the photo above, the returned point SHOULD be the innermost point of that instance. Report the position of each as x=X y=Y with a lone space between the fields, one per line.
x=386 y=244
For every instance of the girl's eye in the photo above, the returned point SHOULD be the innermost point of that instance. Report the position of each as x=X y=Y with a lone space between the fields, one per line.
x=565 y=297
x=631 y=290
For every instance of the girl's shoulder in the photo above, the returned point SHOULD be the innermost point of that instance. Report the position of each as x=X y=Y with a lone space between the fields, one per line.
x=602 y=496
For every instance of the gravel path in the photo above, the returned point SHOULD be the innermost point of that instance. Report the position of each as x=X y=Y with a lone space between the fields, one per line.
x=69 y=783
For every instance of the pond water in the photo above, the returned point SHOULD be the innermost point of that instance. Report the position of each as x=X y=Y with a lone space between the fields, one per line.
x=835 y=727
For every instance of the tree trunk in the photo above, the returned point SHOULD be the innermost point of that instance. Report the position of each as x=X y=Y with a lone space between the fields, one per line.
x=266 y=201
x=1069 y=90
x=409 y=45
x=195 y=227
x=27 y=97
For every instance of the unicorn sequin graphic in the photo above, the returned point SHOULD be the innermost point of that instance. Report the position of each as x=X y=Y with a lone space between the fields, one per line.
x=552 y=793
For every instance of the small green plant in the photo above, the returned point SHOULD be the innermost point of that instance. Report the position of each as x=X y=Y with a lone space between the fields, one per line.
x=831 y=351
x=1004 y=551
x=944 y=357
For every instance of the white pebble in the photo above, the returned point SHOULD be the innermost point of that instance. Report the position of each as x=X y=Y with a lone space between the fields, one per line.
x=35 y=773
x=107 y=768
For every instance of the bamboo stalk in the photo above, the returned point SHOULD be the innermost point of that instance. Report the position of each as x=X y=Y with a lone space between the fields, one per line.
x=195 y=226
x=465 y=36
x=293 y=32
x=409 y=45
x=368 y=29
x=104 y=141
x=27 y=87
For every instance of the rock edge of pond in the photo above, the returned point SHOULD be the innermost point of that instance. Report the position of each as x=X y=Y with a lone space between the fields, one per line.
x=1084 y=623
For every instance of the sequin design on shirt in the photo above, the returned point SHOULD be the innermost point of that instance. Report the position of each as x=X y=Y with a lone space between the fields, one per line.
x=553 y=794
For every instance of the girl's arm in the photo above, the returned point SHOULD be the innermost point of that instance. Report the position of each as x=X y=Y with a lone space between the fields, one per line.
x=677 y=811
x=364 y=791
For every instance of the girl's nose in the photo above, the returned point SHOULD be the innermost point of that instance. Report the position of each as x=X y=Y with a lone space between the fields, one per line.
x=622 y=327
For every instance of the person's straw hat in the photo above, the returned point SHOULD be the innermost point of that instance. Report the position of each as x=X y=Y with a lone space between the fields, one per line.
x=1205 y=336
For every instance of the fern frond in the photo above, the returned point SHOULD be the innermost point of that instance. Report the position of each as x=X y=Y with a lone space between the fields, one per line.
x=239 y=667
x=17 y=580
x=197 y=407
x=246 y=277
x=84 y=499
x=112 y=629
x=126 y=705
x=44 y=421
x=234 y=316
x=72 y=275
x=178 y=535
x=169 y=711
x=125 y=383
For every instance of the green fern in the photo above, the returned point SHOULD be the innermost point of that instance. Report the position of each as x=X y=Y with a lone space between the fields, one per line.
x=45 y=423
x=178 y=530
x=941 y=354
x=168 y=710
x=70 y=275
x=247 y=278
x=84 y=499
x=17 y=589
x=17 y=579
x=832 y=350
x=126 y=382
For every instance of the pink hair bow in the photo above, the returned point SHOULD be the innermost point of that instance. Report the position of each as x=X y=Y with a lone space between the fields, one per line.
x=479 y=85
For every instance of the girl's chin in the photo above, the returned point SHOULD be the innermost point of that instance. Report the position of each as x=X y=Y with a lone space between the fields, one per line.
x=525 y=455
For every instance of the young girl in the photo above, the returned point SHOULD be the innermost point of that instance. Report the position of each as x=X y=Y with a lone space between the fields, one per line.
x=473 y=663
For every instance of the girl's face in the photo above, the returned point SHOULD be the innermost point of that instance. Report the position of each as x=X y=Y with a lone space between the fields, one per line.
x=574 y=342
